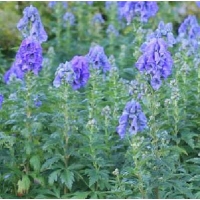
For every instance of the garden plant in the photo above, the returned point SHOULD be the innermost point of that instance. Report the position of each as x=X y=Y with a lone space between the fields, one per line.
x=100 y=100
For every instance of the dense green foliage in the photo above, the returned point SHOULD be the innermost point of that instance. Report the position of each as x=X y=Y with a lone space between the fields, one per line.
x=68 y=147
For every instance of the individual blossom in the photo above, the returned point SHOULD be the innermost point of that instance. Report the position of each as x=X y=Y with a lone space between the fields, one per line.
x=1 y=100
x=132 y=118
x=31 y=25
x=37 y=101
x=98 y=58
x=142 y=9
x=69 y=18
x=28 y=58
x=156 y=61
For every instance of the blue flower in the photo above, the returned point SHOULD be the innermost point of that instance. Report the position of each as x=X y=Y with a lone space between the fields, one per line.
x=64 y=73
x=189 y=28
x=189 y=34
x=112 y=30
x=156 y=61
x=69 y=17
x=132 y=117
x=98 y=58
x=80 y=68
x=198 y=3
x=36 y=29
x=97 y=19
x=52 y=4
x=28 y=58
x=144 y=9
x=1 y=100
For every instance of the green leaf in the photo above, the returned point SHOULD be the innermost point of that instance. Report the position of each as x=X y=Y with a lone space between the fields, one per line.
x=23 y=185
x=93 y=176
x=194 y=160
x=80 y=195
x=51 y=161
x=35 y=162
x=54 y=176
x=67 y=177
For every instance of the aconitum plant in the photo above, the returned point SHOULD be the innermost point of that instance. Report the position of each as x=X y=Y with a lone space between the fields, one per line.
x=28 y=58
x=143 y=9
x=156 y=61
x=132 y=117
x=98 y=58
x=31 y=25
x=29 y=55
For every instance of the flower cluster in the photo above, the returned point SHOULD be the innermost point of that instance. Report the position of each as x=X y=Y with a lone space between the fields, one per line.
x=189 y=33
x=76 y=73
x=52 y=4
x=189 y=28
x=97 y=19
x=69 y=18
x=36 y=30
x=198 y=3
x=98 y=58
x=63 y=73
x=81 y=70
x=164 y=30
x=144 y=9
x=111 y=30
x=1 y=100
x=156 y=61
x=28 y=58
x=132 y=117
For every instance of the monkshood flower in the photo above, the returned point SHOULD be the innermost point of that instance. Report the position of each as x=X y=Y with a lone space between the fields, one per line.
x=112 y=30
x=64 y=73
x=166 y=31
x=28 y=58
x=98 y=58
x=198 y=3
x=189 y=28
x=156 y=61
x=80 y=67
x=37 y=103
x=189 y=34
x=1 y=100
x=76 y=73
x=69 y=18
x=132 y=118
x=97 y=19
x=36 y=30
x=143 y=9
x=90 y=2
x=52 y=4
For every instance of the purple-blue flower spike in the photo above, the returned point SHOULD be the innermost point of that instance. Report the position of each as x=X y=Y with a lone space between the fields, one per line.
x=132 y=117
